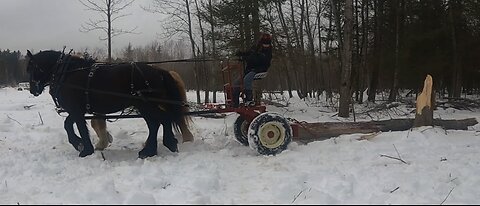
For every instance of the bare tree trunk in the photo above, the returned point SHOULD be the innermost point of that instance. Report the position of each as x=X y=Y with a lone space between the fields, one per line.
x=356 y=58
x=312 y=68
x=204 y=72
x=284 y=75
x=301 y=50
x=394 y=88
x=338 y=24
x=192 y=42
x=109 y=30
x=294 y=53
x=321 y=75
x=372 y=90
x=364 y=61
x=214 y=49
x=328 y=75
x=289 y=53
x=338 y=28
x=456 y=70
x=255 y=18
x=345 y=86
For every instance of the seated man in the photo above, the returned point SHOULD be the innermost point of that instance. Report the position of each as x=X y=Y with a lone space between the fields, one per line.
x=258 y=60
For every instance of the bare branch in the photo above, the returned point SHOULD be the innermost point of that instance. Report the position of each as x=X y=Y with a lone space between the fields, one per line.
x=40 y=118
x=397 y=151
x=394 y=158
x=122 y=7
x=103 y=156
x=14 y=120
x=92 y=5
x=394 y=190
x=447 y=196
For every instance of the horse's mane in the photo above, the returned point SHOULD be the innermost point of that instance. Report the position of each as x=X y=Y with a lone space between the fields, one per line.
x=84 y=58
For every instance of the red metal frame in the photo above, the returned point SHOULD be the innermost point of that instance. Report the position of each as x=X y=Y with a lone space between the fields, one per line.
x=248 y=113
x=229 y=69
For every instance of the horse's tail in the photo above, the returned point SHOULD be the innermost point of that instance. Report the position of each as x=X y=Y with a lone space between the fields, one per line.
x=184 y=120
x=181 y=88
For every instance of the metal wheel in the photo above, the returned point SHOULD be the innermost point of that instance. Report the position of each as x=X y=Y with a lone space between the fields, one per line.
x=269 y=134
x=240 y=129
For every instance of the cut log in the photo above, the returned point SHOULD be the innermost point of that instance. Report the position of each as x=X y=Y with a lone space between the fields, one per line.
x=307 y=132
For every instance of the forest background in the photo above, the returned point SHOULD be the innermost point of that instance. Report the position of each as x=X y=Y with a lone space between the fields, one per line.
x=343 y=48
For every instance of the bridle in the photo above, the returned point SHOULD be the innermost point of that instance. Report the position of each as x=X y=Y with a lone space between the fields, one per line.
x=37 y=82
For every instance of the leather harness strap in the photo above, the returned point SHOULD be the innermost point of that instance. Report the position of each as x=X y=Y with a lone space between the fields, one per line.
x=93 y=69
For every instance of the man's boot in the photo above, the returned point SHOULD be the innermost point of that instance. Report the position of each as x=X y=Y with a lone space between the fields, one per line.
x=236 y=97
x=249 y=98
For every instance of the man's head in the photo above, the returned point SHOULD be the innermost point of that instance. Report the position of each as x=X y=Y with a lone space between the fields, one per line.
x=266 y=39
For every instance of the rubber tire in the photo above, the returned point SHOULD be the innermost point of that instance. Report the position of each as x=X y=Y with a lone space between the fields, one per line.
x=264 y=125
x=240 y=129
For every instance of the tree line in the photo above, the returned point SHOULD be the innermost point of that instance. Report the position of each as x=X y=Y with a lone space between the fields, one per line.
x=346 y=47
x=12 y=68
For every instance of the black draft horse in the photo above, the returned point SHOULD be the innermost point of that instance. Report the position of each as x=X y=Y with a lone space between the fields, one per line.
x=80 y=85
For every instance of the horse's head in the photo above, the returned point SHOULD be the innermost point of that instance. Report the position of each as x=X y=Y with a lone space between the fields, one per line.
x=40 y=67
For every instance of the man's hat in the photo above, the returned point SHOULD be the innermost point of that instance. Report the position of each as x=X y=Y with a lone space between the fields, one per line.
x=266 y=39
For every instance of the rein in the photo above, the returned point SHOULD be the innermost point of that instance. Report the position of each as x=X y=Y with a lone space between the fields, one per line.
x=170 y=61
x=128 y=95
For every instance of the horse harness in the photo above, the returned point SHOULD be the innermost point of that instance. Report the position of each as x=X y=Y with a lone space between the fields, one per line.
x=59 y=74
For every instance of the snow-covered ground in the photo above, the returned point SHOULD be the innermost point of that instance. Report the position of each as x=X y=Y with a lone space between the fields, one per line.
x=39 y=166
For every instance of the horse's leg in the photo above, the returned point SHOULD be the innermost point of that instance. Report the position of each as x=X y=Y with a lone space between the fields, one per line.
x=169 y=139
x=104 y=137
x=82 y=128
x=150 y=148
x=72 y=137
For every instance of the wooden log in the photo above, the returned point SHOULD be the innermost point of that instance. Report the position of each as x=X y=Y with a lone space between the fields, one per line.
x=324 y=130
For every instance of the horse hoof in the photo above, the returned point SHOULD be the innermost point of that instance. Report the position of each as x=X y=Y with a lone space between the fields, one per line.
x=101 y=145
x=172 y=148
x=144 y=154
x=85 y=153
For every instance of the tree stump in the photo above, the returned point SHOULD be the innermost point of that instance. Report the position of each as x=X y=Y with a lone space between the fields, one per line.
x=424 y=113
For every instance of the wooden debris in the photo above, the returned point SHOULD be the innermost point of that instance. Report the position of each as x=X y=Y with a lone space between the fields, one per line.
x=369 y=136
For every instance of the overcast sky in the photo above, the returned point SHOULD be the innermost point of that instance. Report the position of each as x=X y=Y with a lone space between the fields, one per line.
x=52 y=24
